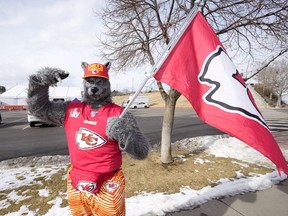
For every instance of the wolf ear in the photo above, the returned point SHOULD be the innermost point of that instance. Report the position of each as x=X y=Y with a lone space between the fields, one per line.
x=84 y=65
x=108 y=65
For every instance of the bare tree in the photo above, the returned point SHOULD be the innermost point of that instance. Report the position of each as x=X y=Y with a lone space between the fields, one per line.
x=280 y=78
x=136 y=30
x=274 y=78
x=267 y=81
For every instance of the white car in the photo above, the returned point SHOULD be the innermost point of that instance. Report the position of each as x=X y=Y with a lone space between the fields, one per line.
x=33 y=120
x=140 y=105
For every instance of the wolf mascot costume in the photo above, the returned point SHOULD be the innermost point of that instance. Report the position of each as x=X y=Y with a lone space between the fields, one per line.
x=95 y=135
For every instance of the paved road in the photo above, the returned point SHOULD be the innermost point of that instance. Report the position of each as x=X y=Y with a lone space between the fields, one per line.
x=277 y=119
x=19 y=140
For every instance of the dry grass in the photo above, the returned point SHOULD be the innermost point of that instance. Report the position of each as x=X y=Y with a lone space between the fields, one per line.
x=30 y=197
x=155 y=100
x=194 y=170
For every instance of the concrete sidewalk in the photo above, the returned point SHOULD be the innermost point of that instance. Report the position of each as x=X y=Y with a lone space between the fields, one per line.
x=270 y=202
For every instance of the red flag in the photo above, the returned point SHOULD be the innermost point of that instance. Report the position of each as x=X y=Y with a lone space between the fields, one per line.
x=200 y=69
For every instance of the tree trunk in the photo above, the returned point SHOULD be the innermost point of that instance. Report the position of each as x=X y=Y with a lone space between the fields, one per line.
x=167 y=126
x=279 y=97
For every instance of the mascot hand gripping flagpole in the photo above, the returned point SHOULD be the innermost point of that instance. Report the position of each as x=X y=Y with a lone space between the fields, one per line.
x=96 y=137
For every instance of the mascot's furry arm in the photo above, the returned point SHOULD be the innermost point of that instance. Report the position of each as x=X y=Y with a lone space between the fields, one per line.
x=126 y=131
x=38 y=96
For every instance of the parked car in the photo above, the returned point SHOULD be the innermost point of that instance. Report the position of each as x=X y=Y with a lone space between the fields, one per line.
x=141 y=101
x=0 y=118
x=33 y=120
x=140 y=105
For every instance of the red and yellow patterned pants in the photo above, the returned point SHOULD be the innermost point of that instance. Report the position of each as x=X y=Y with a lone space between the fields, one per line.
x=109 y=201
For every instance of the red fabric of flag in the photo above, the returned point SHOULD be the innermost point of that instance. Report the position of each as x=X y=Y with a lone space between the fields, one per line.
x=200 y=69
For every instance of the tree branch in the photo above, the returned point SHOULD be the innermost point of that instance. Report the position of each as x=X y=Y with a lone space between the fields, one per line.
x=267 y=64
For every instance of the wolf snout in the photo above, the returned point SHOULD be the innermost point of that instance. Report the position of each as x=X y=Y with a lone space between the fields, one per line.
x=94 y=90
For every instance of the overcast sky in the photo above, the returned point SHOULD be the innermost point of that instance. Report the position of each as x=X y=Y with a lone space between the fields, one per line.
x=56 y=33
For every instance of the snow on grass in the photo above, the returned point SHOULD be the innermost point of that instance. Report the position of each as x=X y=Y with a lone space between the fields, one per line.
x=23 y=176
x=159 y=203
x=143 y=203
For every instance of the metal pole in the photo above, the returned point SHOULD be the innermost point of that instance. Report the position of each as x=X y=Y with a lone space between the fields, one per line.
x=135 y=96
x=162 y=58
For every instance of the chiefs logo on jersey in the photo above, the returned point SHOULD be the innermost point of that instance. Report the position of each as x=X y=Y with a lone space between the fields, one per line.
x=87 y=139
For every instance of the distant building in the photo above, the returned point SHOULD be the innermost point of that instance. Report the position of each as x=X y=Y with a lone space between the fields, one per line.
x=17 y=95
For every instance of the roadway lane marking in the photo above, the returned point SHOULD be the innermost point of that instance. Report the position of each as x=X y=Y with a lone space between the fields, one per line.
x=12 y=122
x=28 y=126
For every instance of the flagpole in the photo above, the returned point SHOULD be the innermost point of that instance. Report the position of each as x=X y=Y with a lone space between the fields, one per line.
x=162 y=58
x=135 y=95
x=175 y=39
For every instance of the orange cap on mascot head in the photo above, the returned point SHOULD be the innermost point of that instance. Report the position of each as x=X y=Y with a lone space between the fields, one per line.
x=96 y=70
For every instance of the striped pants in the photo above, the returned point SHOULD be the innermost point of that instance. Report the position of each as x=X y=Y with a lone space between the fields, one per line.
x=109 y=201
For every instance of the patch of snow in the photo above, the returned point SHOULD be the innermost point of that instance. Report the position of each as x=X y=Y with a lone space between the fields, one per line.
x=233 y=148
x=13 y=196
x=43 y=192
x=56 y=208
x=152 y=203
x=24 y=210
x=16 y=177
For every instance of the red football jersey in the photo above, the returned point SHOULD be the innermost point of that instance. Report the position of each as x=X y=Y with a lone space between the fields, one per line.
x=91 y=152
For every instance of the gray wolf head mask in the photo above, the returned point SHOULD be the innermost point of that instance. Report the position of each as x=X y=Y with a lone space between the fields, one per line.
x=97 y=91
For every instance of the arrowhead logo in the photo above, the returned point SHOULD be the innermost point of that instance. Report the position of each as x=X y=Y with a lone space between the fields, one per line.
x=112 y=186
x=86 y=186
x=87 y=139
x=228 y=90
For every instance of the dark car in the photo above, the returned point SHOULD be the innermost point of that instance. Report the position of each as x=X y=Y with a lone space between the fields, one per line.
x=0 y=118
